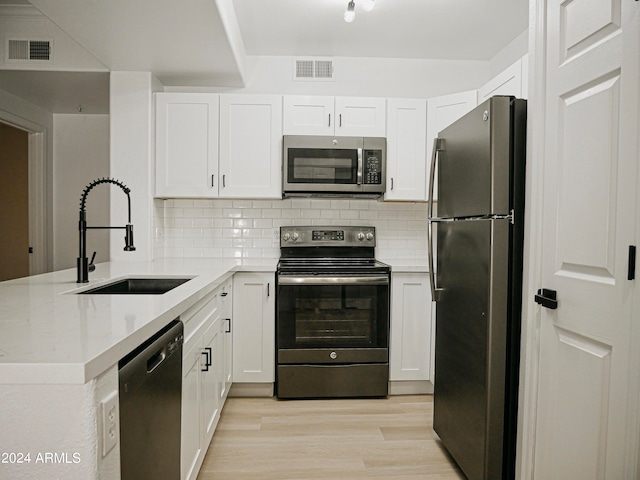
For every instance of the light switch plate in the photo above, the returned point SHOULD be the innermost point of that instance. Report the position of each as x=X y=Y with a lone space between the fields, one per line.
x=110 y=422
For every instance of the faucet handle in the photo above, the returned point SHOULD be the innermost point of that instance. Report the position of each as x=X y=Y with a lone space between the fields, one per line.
x=92 y=267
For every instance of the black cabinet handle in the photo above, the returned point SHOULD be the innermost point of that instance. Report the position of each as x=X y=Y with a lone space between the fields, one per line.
x=208 y=359
x=631 y=271
x=212 y=180
x=228 y=330
x=268 y=289
x=547 y=298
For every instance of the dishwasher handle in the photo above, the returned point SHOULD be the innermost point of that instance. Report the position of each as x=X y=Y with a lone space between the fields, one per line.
x=156 y=359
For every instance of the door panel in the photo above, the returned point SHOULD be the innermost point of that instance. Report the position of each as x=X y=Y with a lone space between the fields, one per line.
x=589 y=156
x=589 y=186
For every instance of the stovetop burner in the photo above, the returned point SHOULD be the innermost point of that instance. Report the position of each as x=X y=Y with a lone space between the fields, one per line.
x=331 y=265
x=319 y=249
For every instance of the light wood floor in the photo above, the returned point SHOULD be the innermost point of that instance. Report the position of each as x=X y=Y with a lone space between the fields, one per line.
x=266 y=438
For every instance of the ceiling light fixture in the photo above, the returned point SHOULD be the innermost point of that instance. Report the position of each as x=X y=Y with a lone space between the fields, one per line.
x=350 y=12
x=367 y=5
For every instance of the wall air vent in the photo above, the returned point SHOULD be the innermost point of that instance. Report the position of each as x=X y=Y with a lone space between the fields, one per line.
x=312 y=70
x=31 y=51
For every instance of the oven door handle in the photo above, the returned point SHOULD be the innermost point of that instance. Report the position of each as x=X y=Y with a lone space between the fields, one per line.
x=327 y=280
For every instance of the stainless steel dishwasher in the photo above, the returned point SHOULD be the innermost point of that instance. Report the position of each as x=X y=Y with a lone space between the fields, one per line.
x=150 y=384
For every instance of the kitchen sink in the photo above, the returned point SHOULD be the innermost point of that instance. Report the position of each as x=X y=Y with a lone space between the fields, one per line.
x=137 y=286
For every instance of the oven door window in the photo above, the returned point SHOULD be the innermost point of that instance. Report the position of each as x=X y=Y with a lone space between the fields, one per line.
x=333 y=316
x=330 y=166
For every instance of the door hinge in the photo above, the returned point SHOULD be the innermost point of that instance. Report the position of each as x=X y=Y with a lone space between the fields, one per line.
x=631 y=271
x=547 y=298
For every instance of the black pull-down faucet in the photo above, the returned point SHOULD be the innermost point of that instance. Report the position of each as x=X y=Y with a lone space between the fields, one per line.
x=84 y=266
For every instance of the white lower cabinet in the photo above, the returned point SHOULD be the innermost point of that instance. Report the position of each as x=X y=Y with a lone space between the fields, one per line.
x=410 y=355
x=254 y=327
x=205 y=383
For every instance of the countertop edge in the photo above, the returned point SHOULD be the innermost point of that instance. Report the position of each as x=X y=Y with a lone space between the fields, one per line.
x=60 y=373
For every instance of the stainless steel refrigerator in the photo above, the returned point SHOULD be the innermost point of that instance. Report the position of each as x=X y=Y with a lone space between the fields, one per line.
x=477 y=235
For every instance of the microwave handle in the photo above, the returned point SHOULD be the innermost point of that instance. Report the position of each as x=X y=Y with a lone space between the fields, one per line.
x=359 y=173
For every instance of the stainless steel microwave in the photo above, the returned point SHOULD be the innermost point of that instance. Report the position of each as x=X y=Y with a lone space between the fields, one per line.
x=334 y=166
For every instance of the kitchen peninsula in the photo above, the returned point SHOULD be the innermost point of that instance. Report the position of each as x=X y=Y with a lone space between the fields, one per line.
x=59 y=353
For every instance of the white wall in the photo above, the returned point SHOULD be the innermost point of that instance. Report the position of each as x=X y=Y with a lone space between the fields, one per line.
x=132 y=125
x=81 y=153
x=518 y=48
x=62 y=420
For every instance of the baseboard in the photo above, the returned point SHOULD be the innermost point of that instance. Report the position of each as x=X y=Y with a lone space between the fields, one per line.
x=251 y=390
x=406 y=387
x=410 y=387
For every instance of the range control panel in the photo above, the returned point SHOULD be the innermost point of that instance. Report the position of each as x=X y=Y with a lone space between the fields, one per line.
x=312 y=236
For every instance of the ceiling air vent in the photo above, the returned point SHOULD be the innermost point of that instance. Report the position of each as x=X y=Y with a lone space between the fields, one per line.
x=36 y=51
x=318 y=70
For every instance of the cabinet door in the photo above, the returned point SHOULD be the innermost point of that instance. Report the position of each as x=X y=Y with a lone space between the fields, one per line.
x=410 y=346
x=186 y=145
x=226 y=338
x=210 y=380
x=406 y=149
x=308 y=115
x=251 y=146
x=442 y=112
x=360 y=117
x=191 y=435
x=508 y=82
x=253 y=327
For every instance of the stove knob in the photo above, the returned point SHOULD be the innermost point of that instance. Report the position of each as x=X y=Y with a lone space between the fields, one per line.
x=360 y=236
x=369 y=236
x=286 y=237
x=295 y=236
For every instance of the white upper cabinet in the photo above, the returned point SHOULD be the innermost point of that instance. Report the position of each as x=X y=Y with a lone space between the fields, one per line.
x=511 y=81
x=406 y=149
x=340 y=116
x=250 y=146
x=442 y=112
x=308 y=115
x=186 y=145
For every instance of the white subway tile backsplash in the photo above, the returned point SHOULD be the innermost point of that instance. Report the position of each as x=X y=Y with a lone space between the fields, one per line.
x=249 y=228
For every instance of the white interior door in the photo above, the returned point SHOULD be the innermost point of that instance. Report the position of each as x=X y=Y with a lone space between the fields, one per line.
x=585 y=376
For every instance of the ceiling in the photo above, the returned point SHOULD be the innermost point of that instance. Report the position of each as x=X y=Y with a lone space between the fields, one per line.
x=427 y=29
x=206 y=42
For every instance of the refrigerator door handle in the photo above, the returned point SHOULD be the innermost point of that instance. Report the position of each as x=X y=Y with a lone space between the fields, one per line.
x=438 y=145
x=435 y=292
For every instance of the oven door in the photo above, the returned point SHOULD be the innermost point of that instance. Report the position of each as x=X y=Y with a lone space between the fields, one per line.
x=332 y=318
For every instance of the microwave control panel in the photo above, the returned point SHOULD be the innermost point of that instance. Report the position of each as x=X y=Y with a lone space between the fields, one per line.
x=372 y=174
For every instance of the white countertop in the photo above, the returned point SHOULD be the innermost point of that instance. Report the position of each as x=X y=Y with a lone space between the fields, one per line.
x=402 y=265
x=51 y=336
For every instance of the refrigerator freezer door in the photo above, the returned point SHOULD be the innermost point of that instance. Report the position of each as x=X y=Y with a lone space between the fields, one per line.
x=471 y=343
x=473 y=165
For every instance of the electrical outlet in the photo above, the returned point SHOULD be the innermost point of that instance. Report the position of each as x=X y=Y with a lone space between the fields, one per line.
x=159 y=235
x=110 y=422
x=276 y=236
